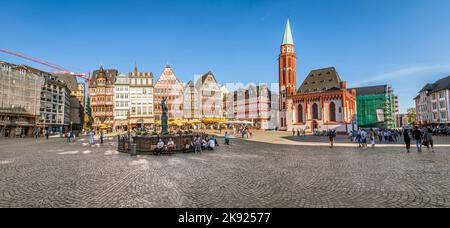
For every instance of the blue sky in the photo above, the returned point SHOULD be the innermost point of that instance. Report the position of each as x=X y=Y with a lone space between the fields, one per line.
x=405 y=43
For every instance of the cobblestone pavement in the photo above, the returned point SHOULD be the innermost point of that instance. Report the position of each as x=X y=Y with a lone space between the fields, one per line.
x=245 y=174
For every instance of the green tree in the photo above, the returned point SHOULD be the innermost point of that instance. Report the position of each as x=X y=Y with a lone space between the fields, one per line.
x=411 y=115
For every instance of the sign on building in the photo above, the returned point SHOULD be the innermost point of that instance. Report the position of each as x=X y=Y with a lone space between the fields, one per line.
x=380 y=115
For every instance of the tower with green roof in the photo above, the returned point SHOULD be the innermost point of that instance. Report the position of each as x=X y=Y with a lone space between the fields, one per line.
x=287 y=72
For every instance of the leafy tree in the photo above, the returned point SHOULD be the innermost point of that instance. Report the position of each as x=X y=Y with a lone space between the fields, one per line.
x=411 y=115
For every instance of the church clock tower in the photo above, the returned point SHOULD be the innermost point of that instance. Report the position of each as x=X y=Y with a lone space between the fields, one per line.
x=287 y=73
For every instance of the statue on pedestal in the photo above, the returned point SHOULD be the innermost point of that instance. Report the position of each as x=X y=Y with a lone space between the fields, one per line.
x=164 y=117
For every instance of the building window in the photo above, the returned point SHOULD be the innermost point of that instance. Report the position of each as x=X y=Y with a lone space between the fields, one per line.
x=300 y=114
x=315 y=111
x=332 y=112
x=443 y=115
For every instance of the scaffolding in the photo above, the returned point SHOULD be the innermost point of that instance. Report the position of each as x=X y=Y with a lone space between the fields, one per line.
x=20 y=92
x=375 y=111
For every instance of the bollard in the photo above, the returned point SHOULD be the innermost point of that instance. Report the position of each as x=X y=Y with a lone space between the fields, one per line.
x=133 y=150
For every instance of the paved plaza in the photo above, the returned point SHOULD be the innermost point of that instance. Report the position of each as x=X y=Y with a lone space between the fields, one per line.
x=269 y=170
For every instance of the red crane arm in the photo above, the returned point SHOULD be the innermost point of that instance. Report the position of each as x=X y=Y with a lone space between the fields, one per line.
x=54 y=66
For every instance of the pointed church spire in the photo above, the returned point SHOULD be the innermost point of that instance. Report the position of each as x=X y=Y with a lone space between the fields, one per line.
x=287 y=38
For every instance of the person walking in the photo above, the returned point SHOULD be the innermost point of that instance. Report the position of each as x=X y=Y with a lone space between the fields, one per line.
x=69 y=136
x=417 y=135
x=91 y=137
x=332 y=136
x=293 y=132
x=36 y=134
x=358 y=138
x=102 y=137
x=372 y=136
x=227 y=138
x=428 y=139
x=46 y=134
x=407 y=139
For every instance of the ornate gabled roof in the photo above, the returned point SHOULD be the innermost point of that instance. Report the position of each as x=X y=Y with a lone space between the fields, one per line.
x=287 y=38
x=203 y=78
x=321 y=80
x=190 y=83
x=167 y=75
x=110 y=76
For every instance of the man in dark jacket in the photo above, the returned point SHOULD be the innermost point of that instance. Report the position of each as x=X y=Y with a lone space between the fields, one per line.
x=418 y=136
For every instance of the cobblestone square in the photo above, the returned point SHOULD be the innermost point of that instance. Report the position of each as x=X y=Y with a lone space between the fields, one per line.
x=269 y=170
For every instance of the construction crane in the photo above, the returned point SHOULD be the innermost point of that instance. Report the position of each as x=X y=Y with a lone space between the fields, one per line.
x=45 y=63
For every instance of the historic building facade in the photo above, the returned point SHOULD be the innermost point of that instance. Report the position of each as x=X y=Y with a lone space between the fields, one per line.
x=433 y=104
x=322 y=103
x=209 y=96
x=170 y=87
x=256 y=104
x=101 y=90
x=141 y=98
x=287 y=74
x=20 y=105
x=191 y=101
x=121 y=103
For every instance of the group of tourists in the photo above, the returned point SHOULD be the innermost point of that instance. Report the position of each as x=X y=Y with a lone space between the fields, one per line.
x=421 y=136
x=441 y=131
x=92 y=137
x=245 y=132
x=197 y=144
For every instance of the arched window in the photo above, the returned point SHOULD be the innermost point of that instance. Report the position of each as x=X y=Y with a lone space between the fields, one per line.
x=315 y=111
x=332 y=112
x=300 y=114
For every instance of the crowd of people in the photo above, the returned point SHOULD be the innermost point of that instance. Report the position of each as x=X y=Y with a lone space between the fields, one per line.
x=423 y=137
x=197 y=145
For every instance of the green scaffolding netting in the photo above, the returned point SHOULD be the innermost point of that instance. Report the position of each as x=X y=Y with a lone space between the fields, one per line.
x=375 y=111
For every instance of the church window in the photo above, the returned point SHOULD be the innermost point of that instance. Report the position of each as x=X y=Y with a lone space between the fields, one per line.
x=332 y=112
x=315 y=111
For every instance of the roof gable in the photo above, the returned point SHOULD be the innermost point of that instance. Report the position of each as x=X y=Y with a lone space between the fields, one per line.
x=320 y=80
